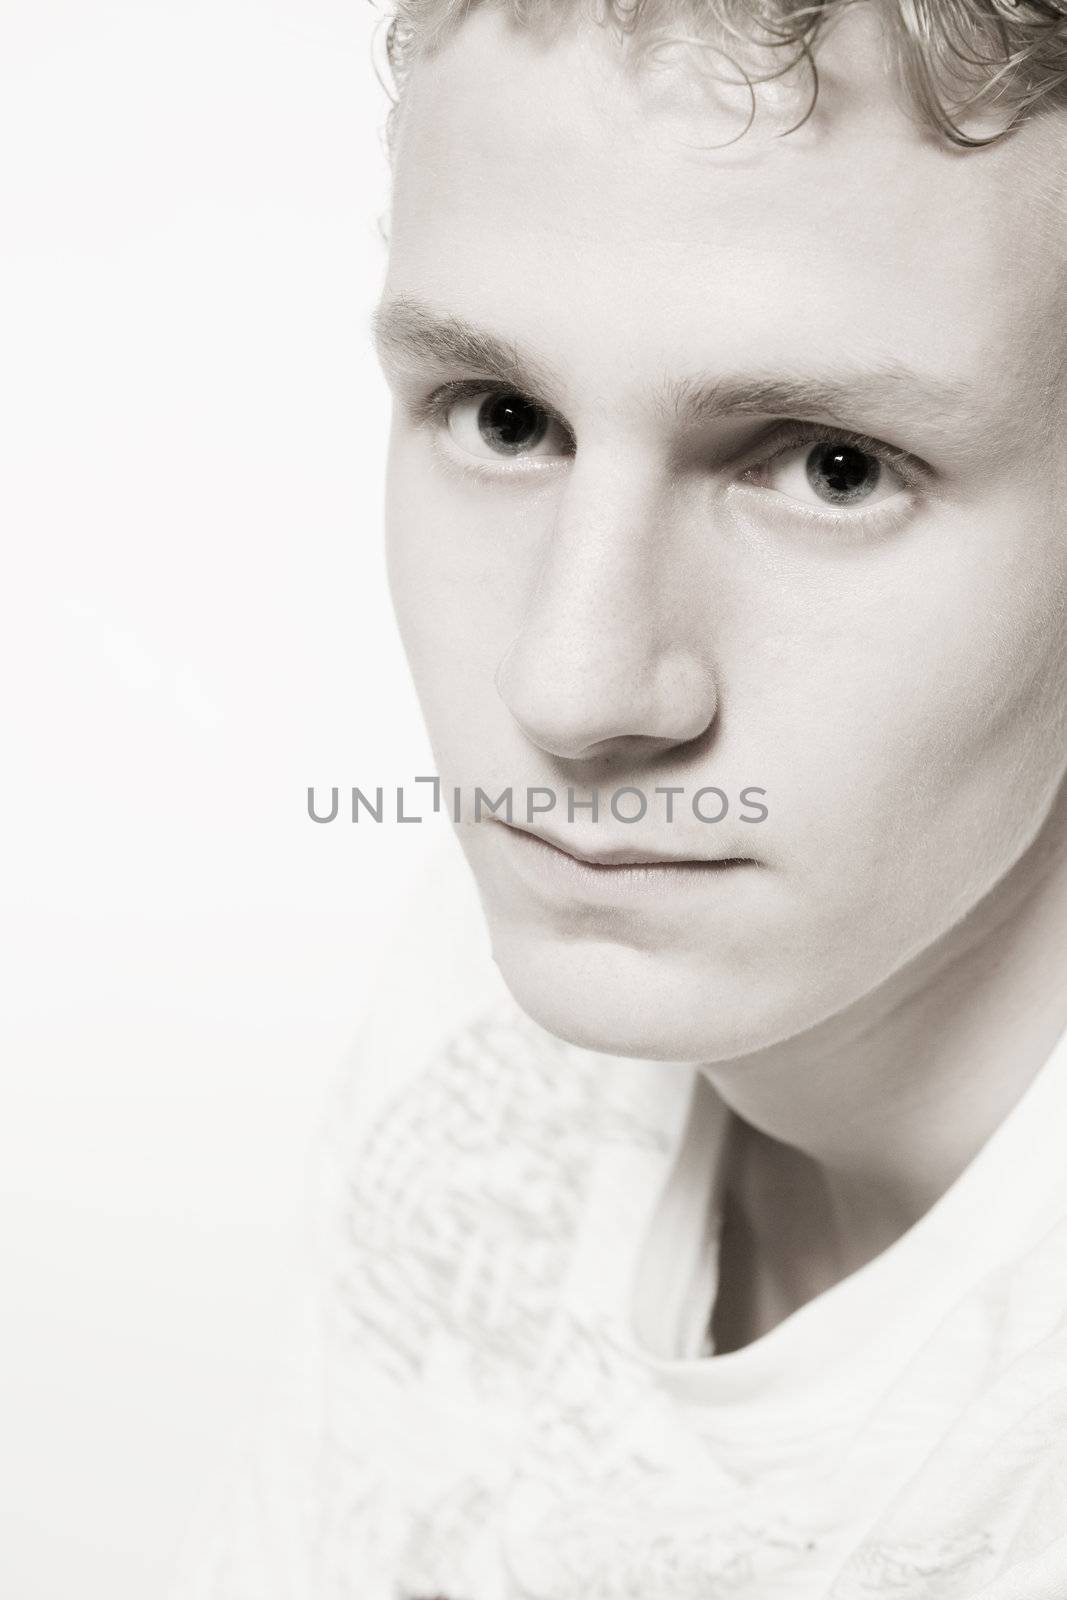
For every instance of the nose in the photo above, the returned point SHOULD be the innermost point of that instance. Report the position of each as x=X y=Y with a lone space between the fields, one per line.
x=613 y=644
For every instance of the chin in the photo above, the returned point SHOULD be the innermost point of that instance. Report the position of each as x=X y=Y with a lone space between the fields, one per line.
x=610 y=997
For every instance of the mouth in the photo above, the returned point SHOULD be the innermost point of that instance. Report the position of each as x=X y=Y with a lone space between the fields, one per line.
x=613 y=869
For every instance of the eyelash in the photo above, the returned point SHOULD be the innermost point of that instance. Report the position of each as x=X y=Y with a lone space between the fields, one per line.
x=917 y=475
x=434 y=405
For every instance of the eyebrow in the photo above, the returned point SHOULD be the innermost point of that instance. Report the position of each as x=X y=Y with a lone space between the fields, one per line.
x=408 y=331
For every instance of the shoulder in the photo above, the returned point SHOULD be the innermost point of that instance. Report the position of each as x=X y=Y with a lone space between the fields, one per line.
x=433 y=976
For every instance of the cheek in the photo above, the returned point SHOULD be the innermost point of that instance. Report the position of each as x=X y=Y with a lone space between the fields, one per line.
x=456 y=582
x=425 y=554
x=982 y=683
x=934 y=725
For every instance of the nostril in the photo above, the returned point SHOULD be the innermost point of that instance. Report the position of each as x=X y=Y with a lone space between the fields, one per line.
x=578 y=699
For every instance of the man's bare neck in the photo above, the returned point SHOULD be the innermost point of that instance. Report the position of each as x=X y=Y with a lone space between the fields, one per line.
x=851 y=1133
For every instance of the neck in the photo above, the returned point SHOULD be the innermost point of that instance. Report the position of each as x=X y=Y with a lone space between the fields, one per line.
x=863 y=1122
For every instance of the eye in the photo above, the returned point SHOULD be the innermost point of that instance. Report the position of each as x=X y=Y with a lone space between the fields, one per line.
x=837 y=473
x=503 y=423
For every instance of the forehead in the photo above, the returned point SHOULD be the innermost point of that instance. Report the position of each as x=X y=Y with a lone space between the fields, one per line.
x=547 y=191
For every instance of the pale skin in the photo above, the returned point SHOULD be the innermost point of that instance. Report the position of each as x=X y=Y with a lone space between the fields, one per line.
x=656 y=594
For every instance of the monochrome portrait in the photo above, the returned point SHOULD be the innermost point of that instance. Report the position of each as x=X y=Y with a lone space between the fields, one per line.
x=686 y=1214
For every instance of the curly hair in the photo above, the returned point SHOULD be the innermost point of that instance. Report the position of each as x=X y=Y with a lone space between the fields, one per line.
x=955 y=56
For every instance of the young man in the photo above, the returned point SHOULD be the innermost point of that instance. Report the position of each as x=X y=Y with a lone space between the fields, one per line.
x=725 y=1252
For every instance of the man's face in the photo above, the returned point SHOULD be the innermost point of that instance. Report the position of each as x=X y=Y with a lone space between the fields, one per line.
x=774 y=501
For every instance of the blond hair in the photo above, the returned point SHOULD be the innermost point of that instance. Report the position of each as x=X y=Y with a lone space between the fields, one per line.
x=1008 y=57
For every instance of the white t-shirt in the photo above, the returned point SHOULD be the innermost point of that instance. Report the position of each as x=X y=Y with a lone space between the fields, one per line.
x=504 y=1390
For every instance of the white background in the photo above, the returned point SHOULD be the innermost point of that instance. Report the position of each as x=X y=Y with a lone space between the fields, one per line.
x=194 y=627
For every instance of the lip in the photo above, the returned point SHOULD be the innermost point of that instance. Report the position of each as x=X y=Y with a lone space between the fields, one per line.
x=612 y=872
x=621 y=857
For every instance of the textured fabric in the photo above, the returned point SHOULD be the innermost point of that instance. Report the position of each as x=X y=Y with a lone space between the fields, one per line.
x=513 y=1233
